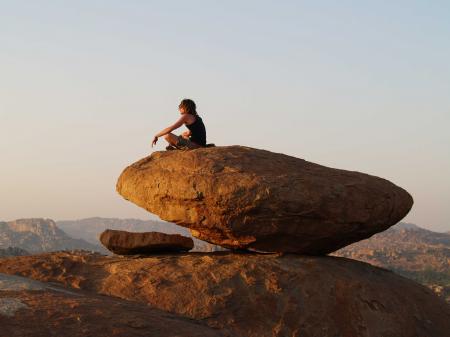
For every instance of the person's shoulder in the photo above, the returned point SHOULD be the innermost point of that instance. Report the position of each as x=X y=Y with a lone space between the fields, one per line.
x=189 y=119
x=186 y=117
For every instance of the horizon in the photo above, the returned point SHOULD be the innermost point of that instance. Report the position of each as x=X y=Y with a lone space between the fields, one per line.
x=85 y=86
x=401 y=222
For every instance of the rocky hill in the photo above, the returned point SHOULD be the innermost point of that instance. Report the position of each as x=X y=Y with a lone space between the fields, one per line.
x=408 y=250
x=37 y=235
x=250 y=294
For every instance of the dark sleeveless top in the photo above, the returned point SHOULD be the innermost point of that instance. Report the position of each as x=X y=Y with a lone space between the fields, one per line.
x=198 y=131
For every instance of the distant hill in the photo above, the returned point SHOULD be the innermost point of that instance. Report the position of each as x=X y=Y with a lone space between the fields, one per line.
x=37 y=235
x=406 y=225
x=408 y=250
x=89 y=229
x=12 y=251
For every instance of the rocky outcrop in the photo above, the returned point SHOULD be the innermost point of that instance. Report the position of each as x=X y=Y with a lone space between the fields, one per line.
x=240 y=197
x=254 y=294
x=35 y=309
x=127 y=243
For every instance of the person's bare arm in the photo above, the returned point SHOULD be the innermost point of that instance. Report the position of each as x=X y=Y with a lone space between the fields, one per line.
x=165 y=131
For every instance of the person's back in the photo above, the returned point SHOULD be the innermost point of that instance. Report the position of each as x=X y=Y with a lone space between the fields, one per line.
x=198 y=131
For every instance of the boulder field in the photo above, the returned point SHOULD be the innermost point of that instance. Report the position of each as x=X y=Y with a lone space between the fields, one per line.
x=254 y=295
x=244 y=198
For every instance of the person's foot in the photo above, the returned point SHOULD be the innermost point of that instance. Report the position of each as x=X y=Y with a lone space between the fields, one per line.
x=170 y=147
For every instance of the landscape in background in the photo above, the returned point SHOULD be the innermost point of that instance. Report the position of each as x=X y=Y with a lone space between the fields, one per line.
x=406 y=249
x=37 y=235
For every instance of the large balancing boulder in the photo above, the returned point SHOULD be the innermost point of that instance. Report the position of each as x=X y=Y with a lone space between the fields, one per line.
x=245 y=198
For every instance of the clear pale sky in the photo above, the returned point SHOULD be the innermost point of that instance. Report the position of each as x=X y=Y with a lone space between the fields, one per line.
x=84 y=85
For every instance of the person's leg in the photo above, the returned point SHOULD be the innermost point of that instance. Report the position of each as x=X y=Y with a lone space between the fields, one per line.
x=180 y=142
x=184 y=143
x=171 y=139
x=177 y=142
x=191 y=145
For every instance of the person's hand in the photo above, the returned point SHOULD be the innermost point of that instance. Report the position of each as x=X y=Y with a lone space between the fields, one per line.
x=155 y=139
x=186 y=134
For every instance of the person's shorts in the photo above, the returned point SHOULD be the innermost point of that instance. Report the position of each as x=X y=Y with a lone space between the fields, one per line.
x=185 y=144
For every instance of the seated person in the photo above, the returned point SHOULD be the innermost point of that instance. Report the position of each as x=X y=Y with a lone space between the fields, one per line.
x=194 y=138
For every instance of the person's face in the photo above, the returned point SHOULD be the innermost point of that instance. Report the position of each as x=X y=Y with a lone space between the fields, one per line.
x=181 y=110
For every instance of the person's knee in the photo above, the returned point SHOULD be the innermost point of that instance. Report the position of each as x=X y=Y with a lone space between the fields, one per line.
x=171 y=138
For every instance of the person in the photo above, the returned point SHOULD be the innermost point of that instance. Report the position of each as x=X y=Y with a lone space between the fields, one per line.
x=193 y=138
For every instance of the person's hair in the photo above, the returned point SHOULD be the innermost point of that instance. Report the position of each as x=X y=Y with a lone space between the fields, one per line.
x=189 y=106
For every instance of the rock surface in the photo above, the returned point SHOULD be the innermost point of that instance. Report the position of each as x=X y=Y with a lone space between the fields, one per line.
x=127 y=243
x=253 y=295
x=240 y=197
x=35 y=309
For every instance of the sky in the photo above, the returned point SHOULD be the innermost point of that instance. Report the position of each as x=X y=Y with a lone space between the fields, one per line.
x=356 y=85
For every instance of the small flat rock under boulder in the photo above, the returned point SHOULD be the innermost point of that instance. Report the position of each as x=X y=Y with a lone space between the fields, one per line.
x=128 y=243
x=244 y=198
